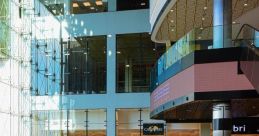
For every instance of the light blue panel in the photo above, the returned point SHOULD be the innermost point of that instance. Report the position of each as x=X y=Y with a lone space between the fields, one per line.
x=97 y=101
x=217 y=23
x=132 y=100
x=112 y=5
x=133 y=21
x=111 y=64
x=256 y=38
x=111 y=122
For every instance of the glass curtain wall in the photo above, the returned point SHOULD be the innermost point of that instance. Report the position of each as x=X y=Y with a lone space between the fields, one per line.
x=136 y=54
x=15 y=42
x=45 y=52
x=85 y=65
x=91 y=122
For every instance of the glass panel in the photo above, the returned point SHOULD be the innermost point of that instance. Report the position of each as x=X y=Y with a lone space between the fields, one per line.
x=85 y=65
x=182 y=129
x=88 y=6
x=69 y=122
x=129 y=122
x=132 y=4
x=197 y=39
x=136 y=54
x=56 y=7
x=4 y=29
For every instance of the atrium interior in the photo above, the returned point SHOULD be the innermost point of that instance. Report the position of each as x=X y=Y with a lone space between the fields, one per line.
x=129 y=67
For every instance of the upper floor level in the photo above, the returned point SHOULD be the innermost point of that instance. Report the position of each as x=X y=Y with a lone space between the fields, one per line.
x=172 y=19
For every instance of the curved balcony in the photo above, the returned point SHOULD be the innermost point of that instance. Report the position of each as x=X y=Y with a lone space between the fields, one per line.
x=191 y=75
x=172 y=19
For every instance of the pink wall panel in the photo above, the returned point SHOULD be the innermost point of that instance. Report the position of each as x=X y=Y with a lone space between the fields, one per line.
x=200 y=78
x=177 y=86
x=220 y=77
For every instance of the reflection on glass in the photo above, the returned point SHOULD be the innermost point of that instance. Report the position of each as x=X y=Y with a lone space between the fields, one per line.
x=88 y=6
x=136 y=54
x=4 y=29
x=45 y=60
x=132 y=5
x=130 y=121
x=69 y=122
x=85 y=65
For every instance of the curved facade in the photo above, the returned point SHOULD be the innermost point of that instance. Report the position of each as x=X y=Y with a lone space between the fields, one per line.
x=210 y=60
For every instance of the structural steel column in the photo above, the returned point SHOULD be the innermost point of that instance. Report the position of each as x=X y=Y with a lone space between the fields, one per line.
x=222 y=119
x=222 y=22
x=111 y=64
x=111 y=122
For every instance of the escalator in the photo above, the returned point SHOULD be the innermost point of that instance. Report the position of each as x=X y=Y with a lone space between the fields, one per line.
x=248 y=40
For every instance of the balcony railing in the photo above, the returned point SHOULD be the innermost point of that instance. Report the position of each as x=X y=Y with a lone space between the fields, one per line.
x=196 y=39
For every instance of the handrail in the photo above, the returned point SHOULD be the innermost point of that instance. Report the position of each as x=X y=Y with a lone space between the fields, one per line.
x=240 y=30
x=251 y=46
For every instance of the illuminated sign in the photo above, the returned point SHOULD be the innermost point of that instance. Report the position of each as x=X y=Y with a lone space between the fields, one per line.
x=248 y=125
x=153 y=129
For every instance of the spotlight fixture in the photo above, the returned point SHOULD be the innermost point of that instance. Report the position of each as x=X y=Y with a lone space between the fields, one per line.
x=142 y=3
x=75 y=5
x=99 y=3
x=87 y=4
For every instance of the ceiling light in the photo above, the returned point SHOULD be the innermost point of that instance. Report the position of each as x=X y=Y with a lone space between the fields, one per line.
x=75 y=5
x=142 y=3
x=99 y=3
x=87 y=4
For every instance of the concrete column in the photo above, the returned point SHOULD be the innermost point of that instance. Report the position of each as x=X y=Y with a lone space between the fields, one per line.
x=204 y=129
x=111 y=122
x=128 y=75
x=222 y=119
x=111 y=64
x=112 y=5
x=222 y=22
